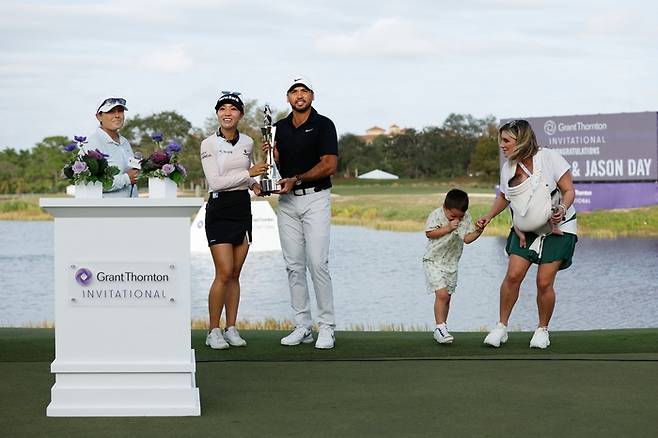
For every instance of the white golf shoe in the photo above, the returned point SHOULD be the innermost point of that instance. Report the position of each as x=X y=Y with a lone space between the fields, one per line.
x=299 y=335
x=540 y=339
x=232 y=336
x=215 y=340
x=497 y=336
x=326 y=338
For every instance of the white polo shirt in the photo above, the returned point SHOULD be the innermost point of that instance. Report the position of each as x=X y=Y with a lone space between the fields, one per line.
x=119 y=155
x=226 y=166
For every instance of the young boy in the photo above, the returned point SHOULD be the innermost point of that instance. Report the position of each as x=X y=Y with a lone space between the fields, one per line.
x=447 y=229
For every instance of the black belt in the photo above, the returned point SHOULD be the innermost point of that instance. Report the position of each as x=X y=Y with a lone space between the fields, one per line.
x=216 y=194
x=307 y=190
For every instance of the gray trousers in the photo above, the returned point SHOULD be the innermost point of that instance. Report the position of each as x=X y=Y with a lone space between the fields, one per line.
x=304 y=226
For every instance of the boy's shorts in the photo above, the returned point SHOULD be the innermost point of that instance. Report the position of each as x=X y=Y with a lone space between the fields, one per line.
x=437 y=277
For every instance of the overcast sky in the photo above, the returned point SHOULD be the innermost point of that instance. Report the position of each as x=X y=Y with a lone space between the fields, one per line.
x=371 y=62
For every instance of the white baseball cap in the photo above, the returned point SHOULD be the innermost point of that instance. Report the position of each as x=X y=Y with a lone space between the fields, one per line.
x=300 y=80
x=108 y=103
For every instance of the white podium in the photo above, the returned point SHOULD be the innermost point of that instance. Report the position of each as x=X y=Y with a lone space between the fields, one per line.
x=122 y=307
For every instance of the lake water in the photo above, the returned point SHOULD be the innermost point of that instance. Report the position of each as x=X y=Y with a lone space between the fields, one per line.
x=378 y=281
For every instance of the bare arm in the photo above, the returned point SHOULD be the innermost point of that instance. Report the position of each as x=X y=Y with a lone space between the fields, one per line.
x=565 y=184
x=326 y=167
x=472 y=236
x=442 y=231
x=499 y=204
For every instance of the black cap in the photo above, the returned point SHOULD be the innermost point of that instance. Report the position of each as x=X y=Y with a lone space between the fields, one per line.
x=233 y=99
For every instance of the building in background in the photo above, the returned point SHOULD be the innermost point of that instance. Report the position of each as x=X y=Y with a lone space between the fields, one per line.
x=376 y=131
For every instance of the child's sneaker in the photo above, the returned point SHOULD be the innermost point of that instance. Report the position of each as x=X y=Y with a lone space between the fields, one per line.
x=497 y=336
x=540 y=339
x=442 y=336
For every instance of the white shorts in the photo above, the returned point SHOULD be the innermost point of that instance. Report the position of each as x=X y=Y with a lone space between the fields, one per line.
x=437 y=277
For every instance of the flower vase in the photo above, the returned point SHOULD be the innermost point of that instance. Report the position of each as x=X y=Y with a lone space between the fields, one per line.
x=162 y=188
x=89 y=190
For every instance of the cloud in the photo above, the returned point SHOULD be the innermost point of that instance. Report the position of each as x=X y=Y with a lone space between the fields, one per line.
x=386 y=37
x=170 y=59
x=610 y=22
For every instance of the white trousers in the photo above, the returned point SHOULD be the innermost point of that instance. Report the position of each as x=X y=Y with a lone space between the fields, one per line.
x=304 y=226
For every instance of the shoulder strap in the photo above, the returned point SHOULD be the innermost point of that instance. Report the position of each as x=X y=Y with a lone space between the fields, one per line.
x=525 y=169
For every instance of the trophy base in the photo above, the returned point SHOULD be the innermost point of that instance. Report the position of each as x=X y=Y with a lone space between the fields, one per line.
x=269 y=186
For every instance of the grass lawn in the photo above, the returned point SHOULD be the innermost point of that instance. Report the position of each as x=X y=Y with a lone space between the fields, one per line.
x=391 y=384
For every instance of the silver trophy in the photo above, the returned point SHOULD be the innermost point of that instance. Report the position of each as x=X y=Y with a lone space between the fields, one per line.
x=269 y=181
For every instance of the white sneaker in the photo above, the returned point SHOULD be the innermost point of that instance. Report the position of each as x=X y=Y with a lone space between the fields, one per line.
x=300 y=335
x=442 y=335
x=326 y=338
x=540 y=339
x=497 y=336
x=216 y=340
x=232 y=336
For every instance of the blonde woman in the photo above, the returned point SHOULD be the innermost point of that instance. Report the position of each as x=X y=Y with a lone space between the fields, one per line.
x=529 y=179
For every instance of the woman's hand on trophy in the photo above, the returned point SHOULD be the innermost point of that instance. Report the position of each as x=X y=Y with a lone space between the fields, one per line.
x=257 y=189
x=258 y=169
x=265 y=147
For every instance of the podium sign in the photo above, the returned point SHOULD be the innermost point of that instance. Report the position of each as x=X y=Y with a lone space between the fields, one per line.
x=122 y=307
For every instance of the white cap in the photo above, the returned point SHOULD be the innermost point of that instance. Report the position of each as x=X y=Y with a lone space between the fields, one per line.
x=300 y=80
x=108 y=103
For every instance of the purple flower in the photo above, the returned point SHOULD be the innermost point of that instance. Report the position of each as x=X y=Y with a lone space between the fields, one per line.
x=182 y=169
x=80 y=139
x=157 y=137
x=160 y=157
x=168 y=168
x=79 y=167
x=173 y=147
x=70 y=147
x=102 y=154
x=96 y=155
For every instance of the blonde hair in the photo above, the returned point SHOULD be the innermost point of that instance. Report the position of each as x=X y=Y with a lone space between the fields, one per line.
x=526 y=141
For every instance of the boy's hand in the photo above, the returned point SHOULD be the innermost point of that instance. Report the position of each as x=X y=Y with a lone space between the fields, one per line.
x=453 y=224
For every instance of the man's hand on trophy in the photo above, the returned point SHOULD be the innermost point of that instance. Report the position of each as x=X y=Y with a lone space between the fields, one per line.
x=286 y=184
x=258 y=169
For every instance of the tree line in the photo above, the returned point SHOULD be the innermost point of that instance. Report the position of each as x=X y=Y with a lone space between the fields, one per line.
x=462 y=145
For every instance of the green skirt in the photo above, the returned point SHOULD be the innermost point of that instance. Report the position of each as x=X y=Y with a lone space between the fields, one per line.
x=555 y=248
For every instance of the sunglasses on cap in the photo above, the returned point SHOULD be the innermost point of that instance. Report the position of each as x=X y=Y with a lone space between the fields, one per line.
x=513 y=123
x=234 y=93
x=112 y=101
x=115 y=101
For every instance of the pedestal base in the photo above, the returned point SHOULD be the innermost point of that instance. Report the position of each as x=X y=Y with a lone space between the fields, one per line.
x=93 y=390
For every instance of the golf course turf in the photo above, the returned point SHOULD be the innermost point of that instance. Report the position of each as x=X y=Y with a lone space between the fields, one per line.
x=398 y=384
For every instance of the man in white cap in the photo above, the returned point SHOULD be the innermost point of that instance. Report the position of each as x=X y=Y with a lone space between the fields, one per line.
x=306 y=149
x=106 y=138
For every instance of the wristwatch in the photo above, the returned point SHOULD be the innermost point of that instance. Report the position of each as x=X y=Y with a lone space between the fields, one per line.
x=298 y=180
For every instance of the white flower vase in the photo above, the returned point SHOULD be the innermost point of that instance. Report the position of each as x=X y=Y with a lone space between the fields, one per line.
x=162 y=188
x=91 y=190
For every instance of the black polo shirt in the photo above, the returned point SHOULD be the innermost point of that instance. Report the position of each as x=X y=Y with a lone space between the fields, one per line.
x=300 y=148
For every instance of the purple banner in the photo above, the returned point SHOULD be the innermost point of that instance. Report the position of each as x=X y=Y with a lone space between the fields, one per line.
x=615 y=195
x=603 y=147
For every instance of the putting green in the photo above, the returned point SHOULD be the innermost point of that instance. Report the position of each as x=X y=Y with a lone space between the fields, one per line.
x=599 y=383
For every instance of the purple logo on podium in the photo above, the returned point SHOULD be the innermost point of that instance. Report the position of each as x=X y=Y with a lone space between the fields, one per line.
x=83 y=276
